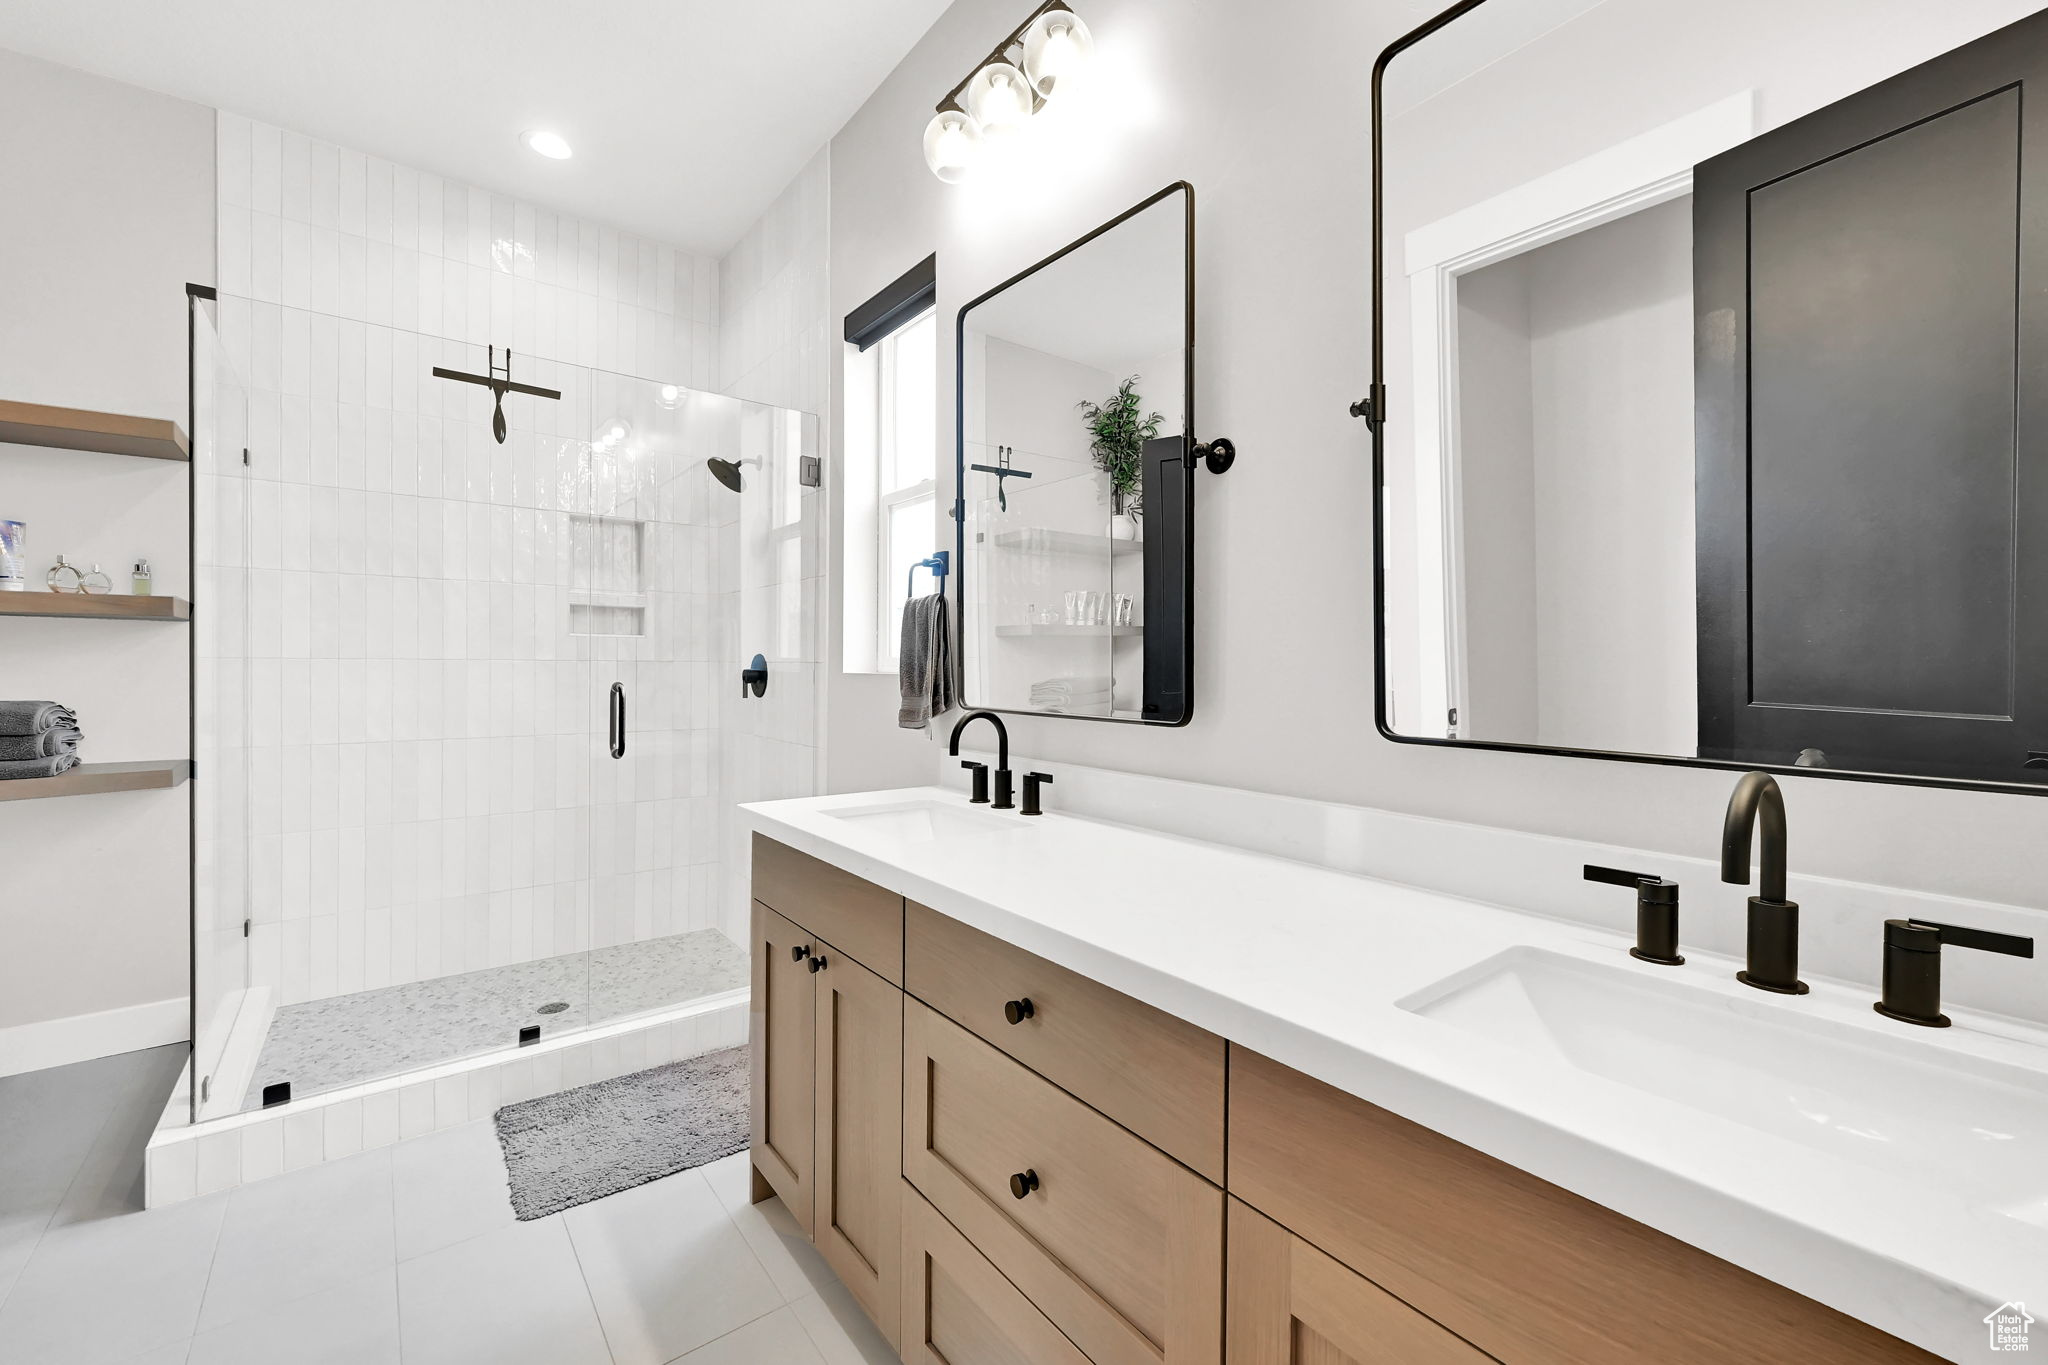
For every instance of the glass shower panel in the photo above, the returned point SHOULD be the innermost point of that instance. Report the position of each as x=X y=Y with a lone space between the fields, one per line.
x=420 y=711
x=654 y=602
x=487 y=694
x=226 y=1014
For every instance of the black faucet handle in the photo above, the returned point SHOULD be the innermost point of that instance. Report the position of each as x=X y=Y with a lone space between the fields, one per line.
x=1912 y=965
x=980 y=771
x=1656 y=913
x=1032 y=782
x=1614 y=876
x=1955 y=936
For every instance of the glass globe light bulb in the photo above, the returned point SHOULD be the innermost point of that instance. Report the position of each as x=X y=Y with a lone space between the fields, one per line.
x=1057 y=47
x=998 y=98
x=952 y=144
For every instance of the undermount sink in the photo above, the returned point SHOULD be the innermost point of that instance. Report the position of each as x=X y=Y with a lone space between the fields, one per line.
x=927 y=820
x=1878 y=1096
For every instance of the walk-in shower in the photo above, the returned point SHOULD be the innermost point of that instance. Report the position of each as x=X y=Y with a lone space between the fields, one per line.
x=425 y=826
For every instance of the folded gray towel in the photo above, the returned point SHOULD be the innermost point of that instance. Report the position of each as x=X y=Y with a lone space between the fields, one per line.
x=38 y=767
x=33 y=717
x=924 y=665
x=48 y=744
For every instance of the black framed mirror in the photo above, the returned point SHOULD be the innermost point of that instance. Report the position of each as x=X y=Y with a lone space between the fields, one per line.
x=1702 y=427
x=1075 y=465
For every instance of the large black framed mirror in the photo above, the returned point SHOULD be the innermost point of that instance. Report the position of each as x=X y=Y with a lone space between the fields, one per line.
x=1706 y=423
x=1075 y=461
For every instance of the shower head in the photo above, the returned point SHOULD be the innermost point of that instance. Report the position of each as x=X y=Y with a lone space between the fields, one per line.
x=726 y=472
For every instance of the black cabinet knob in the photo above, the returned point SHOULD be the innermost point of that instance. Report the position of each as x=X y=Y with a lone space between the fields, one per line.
x=817 y=962
x=1023 y=1183
x=1017 y=1011
x=799 y=953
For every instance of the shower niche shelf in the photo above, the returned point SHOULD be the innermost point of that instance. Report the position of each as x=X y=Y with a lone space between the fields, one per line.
x=95 y=606
x=149 y=438
x=88 y=779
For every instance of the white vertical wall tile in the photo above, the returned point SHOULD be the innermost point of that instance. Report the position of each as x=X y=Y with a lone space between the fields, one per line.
x=262 y=1150
x=218 y=1161
x=380 y=1119
x=305 y=1139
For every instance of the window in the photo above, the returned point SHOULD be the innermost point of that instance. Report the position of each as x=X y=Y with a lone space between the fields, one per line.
x=891 y=405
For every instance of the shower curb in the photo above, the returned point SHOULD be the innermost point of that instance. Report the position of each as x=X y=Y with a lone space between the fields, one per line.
x=185 y=1160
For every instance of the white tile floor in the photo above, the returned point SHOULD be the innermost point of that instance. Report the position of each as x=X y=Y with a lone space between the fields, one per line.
x=407 y=1254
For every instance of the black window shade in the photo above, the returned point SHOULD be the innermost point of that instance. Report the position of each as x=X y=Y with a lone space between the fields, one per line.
x=910 y=294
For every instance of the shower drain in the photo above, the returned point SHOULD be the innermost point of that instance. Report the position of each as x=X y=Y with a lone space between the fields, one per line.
x=553 y=1007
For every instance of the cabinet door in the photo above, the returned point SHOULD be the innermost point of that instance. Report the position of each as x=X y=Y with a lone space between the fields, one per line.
x=783 y=1032
x=959 y=1310
x=857 y=1201
x=1289 y=1304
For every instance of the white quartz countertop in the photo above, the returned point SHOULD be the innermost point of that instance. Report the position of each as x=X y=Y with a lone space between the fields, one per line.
x=1308 y=967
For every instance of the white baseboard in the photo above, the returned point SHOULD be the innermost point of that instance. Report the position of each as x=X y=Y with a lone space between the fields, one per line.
x=82 y=1037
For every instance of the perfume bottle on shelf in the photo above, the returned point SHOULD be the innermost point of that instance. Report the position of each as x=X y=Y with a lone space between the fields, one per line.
x=97 y=583
x=63 y=577
x=143 y=579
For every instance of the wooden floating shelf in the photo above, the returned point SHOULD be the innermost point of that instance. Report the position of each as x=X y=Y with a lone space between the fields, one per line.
x=150 y=438
x=87 y=779
x=104 y=606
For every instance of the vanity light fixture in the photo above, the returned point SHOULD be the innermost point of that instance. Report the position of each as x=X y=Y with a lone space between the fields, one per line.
x=1041 y=56
x=553 y=146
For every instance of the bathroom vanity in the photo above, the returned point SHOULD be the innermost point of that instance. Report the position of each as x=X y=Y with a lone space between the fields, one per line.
x=1057 y=1090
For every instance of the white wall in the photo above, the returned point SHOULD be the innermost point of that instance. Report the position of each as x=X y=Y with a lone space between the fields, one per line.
x=109 y=193
x=1267 y=115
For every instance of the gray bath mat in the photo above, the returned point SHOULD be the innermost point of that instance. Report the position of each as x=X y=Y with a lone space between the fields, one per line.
x=569 y=1148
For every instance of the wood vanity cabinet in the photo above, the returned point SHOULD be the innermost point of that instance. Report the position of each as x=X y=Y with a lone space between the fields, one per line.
x=827 y=1056
x=999 y=1185
x=1524 y=1270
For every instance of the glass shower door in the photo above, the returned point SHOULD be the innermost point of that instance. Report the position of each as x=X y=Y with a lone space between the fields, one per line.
x=226 y=1013
x=654 y=601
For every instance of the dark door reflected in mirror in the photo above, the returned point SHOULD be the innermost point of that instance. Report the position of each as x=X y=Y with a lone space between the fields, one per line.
x=1709 y=433
x=1076 y=478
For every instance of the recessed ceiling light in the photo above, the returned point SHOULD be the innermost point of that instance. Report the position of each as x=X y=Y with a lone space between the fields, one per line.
x=551 y=145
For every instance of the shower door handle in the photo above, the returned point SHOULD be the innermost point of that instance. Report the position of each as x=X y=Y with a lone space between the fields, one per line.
x=618 y=719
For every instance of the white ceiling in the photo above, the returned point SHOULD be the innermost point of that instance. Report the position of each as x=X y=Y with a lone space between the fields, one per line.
x=687 y=116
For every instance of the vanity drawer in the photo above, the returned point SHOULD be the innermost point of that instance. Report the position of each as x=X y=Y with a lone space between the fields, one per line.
x=1525 y=1270
x=1118 y=1244
x=865 y=921
x=1161 y=1077
x=959 y=1310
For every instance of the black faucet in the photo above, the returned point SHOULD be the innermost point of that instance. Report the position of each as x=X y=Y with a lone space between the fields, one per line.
x=1912 y=965
x=1004 y=800
x=1773 y=920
